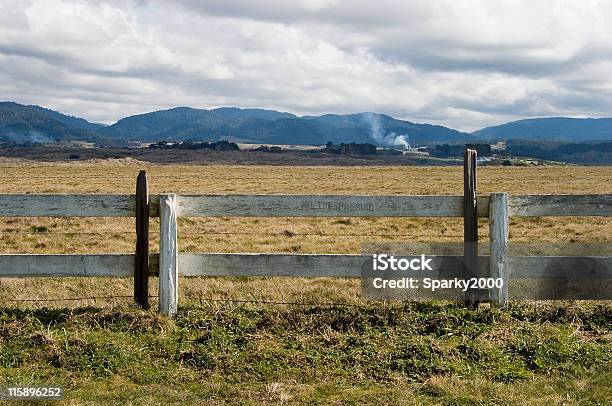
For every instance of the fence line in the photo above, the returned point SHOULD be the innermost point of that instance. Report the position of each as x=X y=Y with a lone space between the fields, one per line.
x=524 y=277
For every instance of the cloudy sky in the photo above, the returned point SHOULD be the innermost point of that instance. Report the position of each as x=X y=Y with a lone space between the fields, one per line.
x=465 y=64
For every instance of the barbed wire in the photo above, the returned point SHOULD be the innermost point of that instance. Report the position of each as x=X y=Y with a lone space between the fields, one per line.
x=270 y=302
x=201 y=299
x=288 y=234
x=94 y=298
x=51 y=233
x=71 y=178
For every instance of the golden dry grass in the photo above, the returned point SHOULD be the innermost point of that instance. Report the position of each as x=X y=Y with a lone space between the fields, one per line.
x=299 y=235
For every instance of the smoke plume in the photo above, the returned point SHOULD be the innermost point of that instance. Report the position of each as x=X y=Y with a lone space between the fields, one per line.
x=378 y=134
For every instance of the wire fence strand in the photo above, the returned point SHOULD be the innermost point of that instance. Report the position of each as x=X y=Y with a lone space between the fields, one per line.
x=200 y=299
x=287 y=233
x=94 y=298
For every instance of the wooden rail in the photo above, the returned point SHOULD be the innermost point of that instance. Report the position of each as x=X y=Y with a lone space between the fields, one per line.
x=322 y=206
x=524 y=277
x=18 y=265
x=292 y=265
x=560 y=205
x=46 y=205
x=536 y=276
x=53 y=205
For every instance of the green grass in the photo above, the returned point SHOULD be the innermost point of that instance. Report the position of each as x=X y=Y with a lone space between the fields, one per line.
x=377 y=354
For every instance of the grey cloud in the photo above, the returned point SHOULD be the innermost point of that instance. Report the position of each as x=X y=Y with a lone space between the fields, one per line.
x=411 y=32
x=458 y=63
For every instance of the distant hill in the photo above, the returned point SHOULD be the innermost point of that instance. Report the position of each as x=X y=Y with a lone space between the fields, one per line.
x=21 y=123
x=268 y=126
x=582 y=153
x=553 y=128
x=69 y=120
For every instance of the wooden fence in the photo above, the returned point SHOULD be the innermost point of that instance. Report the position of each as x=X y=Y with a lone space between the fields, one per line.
x=525 y=277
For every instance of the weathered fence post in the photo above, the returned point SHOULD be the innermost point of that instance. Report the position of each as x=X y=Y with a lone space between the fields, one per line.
x=470 y=222
x=168 y=255
x=498 y=232
x=141 y=263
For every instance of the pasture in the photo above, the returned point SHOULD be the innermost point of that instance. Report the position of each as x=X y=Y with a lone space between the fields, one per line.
x=241 y=338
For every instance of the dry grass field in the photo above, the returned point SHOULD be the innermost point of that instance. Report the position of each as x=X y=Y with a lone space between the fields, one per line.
x=217 y=351
x=297 y=235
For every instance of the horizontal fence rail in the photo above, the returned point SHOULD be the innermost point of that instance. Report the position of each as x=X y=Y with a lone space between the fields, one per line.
x=18 y=265
x=260 y=264
x=322 y=206
x=560 y=205
x=301 y=265
x=45 y=205
x=71 y=205
x=533 y=277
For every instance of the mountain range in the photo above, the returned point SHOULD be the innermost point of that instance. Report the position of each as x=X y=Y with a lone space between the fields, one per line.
x=21 y=123
x=552 y=128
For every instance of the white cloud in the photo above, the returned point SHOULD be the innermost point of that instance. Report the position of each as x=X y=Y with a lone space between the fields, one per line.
x=464 y=64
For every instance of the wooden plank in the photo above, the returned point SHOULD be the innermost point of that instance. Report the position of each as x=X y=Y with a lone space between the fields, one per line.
x=560 y=289
x=583 y=267
x=56 y=205
x=319 y=206
x=141 y=263
x=470 y=221
x=303 y=265
x=71 y=265
x=531 y=278
x=327 y=265
x=57 y=265
x=498 y=234
x=25 y=205
x=560 y=205
x=560 y=278
x=346 y=265
x=168 y=255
